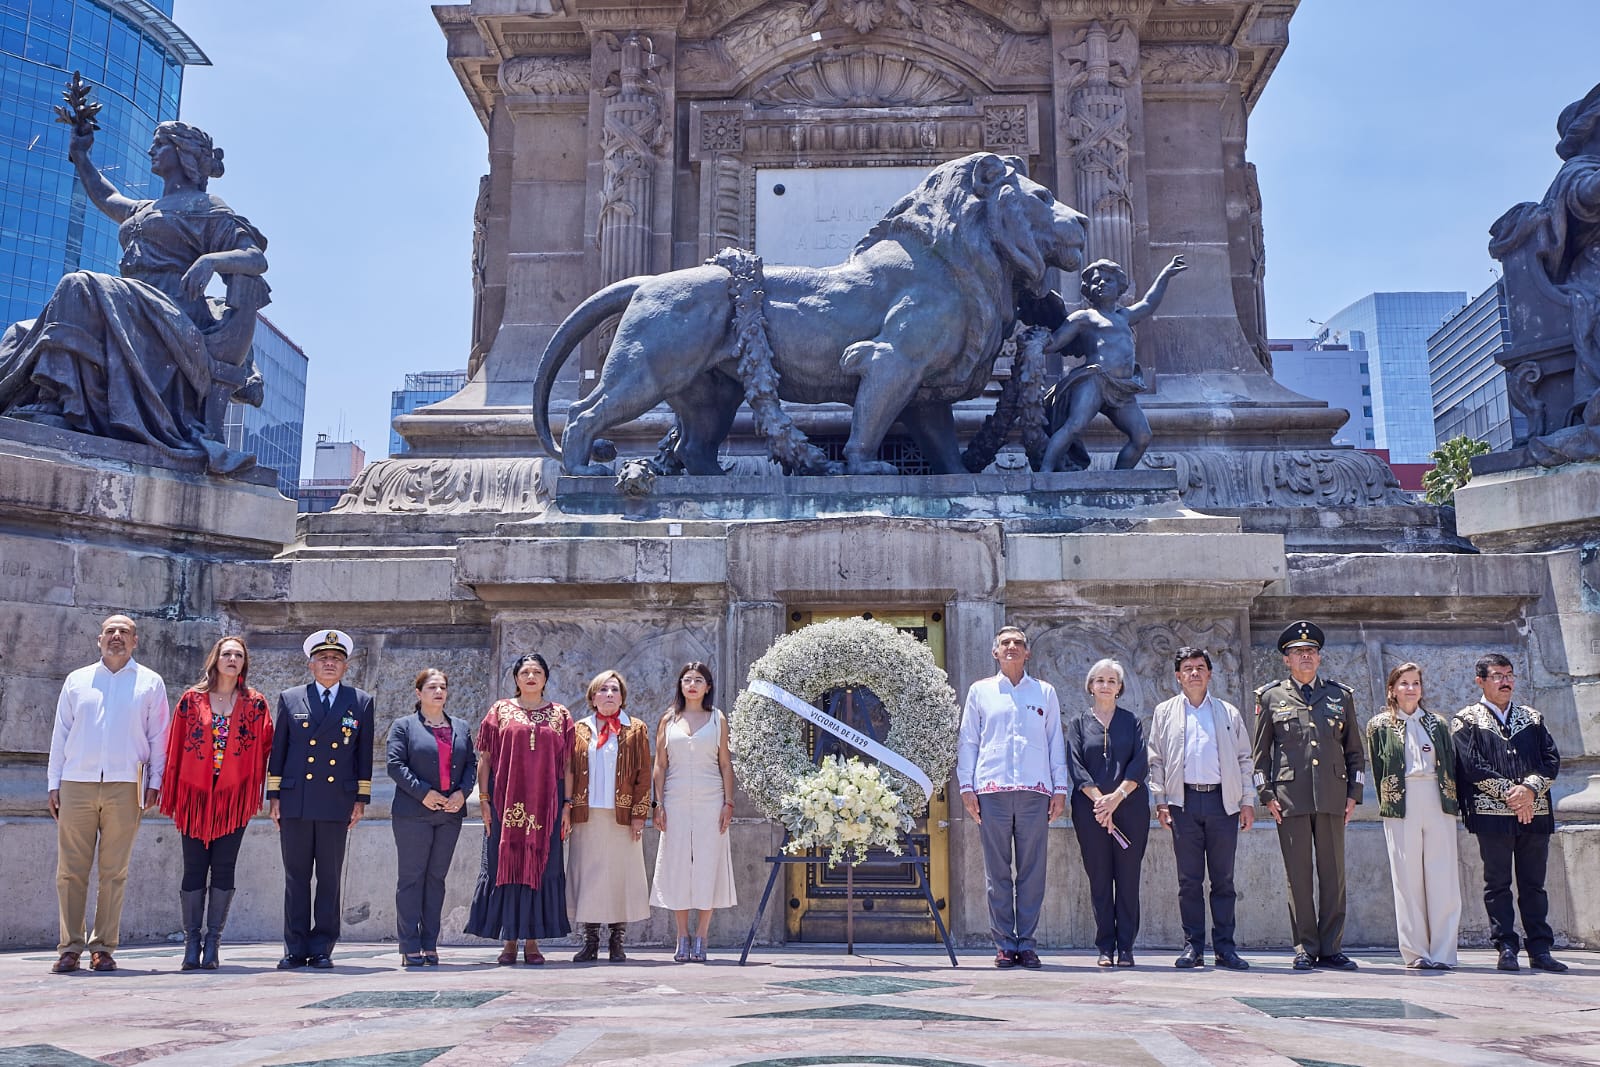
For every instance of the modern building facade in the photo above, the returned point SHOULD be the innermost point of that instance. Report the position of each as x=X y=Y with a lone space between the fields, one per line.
x=424 y=388
x=334 y=466
x=1394 y=329
x=1469 y=386
x=275 y=431
x=1333 y=372
x=134 y=55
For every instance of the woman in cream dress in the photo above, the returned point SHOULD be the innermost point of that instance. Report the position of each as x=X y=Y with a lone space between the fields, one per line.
x=694 y=781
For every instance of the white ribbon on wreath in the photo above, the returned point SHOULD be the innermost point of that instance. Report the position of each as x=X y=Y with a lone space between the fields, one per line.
x=822 y=720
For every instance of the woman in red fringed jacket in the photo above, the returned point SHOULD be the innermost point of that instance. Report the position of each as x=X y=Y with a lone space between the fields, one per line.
x=214 y=784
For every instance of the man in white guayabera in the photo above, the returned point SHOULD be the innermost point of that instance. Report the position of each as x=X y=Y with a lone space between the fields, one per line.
x=1012 y=768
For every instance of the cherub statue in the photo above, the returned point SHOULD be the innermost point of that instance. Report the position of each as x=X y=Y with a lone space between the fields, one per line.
x=1110 y=380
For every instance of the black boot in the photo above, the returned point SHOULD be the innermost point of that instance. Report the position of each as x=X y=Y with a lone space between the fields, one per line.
x=591 y=944
x=192 y=903
x=614 y=947
x=216 y=915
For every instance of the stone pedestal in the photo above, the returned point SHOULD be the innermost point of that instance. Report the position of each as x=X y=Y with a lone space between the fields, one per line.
x=90 y=528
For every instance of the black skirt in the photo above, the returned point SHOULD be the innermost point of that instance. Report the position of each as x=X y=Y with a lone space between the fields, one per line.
x=518 y=912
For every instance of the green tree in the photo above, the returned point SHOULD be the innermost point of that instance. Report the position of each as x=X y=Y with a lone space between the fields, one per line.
x=1452 y=467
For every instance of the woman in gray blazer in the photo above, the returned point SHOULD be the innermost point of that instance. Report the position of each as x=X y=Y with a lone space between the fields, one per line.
x=434 y=768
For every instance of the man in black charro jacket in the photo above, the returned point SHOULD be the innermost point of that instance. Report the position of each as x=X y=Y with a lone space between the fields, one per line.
x=319 y=781
x=1505 y=763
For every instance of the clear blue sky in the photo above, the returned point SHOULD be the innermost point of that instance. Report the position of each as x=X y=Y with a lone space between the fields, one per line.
x=1390 y=136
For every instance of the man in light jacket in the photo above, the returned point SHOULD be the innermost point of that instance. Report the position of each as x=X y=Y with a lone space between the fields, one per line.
x=1200 y=778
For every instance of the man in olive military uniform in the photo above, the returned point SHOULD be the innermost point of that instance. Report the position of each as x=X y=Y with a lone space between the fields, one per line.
x=319 y=780
x=1309 y=770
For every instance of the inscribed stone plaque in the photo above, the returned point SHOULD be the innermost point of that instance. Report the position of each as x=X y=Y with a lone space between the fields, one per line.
x=822 y=212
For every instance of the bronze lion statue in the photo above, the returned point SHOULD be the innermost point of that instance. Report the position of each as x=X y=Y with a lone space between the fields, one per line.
x=906 y=326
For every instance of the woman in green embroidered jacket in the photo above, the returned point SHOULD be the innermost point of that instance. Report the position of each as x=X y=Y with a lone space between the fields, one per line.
x=1412 y=761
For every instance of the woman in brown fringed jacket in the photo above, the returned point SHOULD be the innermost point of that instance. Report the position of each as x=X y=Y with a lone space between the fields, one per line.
x=610 y=801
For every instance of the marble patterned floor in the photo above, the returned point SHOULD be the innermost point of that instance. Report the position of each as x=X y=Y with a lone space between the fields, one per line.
x=789 y=1008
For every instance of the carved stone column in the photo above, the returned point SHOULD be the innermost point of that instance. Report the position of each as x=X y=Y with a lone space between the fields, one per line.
x=628 y=214
x=1099 y=66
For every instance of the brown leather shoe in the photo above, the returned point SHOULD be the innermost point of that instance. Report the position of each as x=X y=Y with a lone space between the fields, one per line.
x=101 y=961
x=66 y=964
x=508 y=955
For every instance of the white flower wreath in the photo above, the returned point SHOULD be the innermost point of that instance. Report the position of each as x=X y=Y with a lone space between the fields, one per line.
x=768 y=741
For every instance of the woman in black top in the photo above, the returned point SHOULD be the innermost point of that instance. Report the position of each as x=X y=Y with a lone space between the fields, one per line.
x=434 y=768
x=1107 y=761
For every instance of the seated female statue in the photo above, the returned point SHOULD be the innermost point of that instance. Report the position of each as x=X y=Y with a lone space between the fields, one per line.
x=146 y=356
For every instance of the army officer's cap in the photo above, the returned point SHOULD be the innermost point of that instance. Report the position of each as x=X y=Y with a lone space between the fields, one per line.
x=1300 y=634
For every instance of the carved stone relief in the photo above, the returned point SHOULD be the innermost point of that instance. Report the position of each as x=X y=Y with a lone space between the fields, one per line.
x=863 y=15
x=710 y=16
x=863 y=77
x=546 y=75
x=1284 y=477
x=545 y=42
x=722 y=131
x=447 y=487
x=647 y=649
x=750 y=41
x=480 y=267
x=1100 y=64
x=1187 y=29
x=1006 y=126
x=1172 y=63
x=1064 y=650
x=632 y=140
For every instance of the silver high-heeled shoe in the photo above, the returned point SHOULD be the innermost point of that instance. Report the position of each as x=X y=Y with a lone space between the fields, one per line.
x=697 y=950
x=682 y=955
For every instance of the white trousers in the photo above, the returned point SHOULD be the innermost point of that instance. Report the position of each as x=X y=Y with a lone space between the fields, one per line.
x=1426 y=874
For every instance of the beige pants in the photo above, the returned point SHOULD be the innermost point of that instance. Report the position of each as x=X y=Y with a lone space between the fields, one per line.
x=1427 y=876
x=95 y=817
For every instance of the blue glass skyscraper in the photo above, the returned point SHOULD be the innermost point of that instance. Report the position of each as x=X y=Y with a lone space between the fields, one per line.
x=134 y=55
x=1394 y=329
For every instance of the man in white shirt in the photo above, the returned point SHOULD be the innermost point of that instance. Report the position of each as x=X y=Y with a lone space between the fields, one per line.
x=1012 y=769
x=110 y=730
x=1200 y=777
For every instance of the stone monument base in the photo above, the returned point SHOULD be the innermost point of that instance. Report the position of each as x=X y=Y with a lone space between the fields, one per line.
x=89 y=528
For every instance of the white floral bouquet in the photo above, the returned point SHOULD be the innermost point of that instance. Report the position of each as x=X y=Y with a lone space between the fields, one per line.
x=844 y=807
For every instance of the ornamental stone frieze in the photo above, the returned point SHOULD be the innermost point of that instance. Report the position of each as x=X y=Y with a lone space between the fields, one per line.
x=862 y=77
x=975 y=40
x=708 y=18
x=447 y=487
x=1170 y=64
x=545 y=76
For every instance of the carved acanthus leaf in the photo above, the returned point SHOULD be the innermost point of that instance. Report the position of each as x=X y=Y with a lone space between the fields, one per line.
x=1174 y=63
x=863 y=77
x=447 y=486
x=546 y=75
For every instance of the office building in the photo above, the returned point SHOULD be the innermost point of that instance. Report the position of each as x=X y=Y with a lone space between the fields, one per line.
x=1333 y=372
x=134 y=55
x=275 y=431
x=1469 y=386
x=334 y=466
x=1393 y=329
x=427 y=387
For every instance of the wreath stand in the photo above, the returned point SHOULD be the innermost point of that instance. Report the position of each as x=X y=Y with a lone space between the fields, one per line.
x=916 y=858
